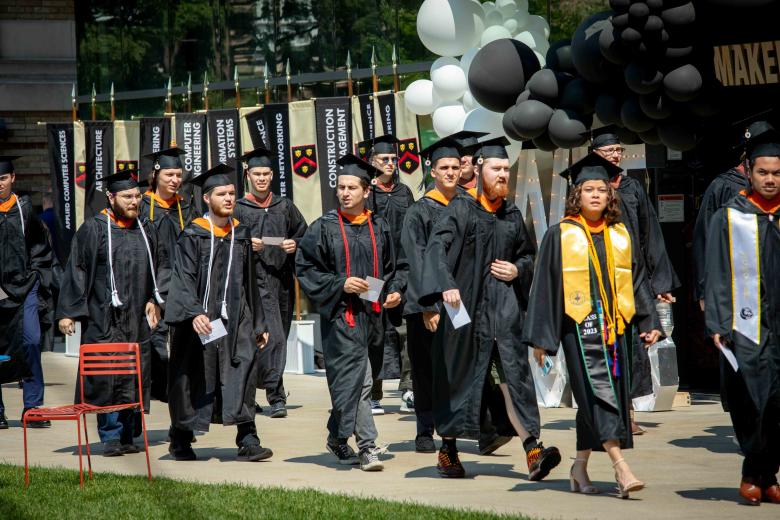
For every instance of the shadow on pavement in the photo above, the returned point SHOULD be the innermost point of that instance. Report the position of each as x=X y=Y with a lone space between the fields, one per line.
x=719 y=440
x=712 y=494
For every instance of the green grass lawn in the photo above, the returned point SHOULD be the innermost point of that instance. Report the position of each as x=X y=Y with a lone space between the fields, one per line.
x=55 y=494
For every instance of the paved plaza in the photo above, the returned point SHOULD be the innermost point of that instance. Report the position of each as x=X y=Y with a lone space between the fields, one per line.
x=687 y=458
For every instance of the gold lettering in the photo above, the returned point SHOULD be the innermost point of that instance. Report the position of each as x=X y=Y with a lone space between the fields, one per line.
x=740 y=72
x=751 y=51
x=769 y=61
x=723 y=70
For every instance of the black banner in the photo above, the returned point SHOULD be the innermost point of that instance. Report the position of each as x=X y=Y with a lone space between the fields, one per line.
x=386 y=116
x=60 y=137
x=366 y=102
x=191 y=137
x=155 y=136
x=225 y=142
x=99 y=142
x=277 y=122
x=334 y=140
x=257 y=130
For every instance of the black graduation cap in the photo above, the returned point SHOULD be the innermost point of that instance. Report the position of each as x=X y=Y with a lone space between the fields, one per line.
x=758 y=134
x=445 y=147
x=765 y=150
x=169 y=158
x=592 y=167
x=121 y=181
x=492 y=149
x=383 y=144
x=604 y=136
x=219 y=175
x=6 y=163
x=467 y=138
x=260 y=157
x=354 y=165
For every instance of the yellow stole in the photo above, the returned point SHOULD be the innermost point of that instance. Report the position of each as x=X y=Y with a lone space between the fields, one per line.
x=575 y=260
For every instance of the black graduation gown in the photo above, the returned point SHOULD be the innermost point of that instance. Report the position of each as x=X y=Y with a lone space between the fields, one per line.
x=85 y=296
x=168 y=225
x=726 y=186
x=749 y=390
x=274 y=273
x=321 y=268
x=463 y=244
x=602 y=400
x=25 y=259
x=216 y=382
x=391 y=206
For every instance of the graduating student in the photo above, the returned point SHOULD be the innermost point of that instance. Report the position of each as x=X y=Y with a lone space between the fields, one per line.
x=479 y=256
x=111 y=285
x=339 y=251
x=741 y=311
x=467 y=139
x=25 y=274
x=589 y=287
x=390 y=199
x=213 y=377
x=170 y=213
x=638 y=215
x=722 y=189
x=269 y=215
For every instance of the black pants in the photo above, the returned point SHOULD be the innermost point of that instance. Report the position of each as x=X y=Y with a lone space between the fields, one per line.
x=278 y=394
x=419 y=341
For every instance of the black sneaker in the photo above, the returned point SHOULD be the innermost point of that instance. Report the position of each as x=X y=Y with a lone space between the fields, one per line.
x=128 y=449
x=258 y=408
x=3 y=421
x=181 y=451
x=278 y=410
x=490 y=443
x=112 y=448
x=541 y=461
x=253 y=453
x=343 y=452
x=449 y=465
x=369 y=460
x=35 y=424
x=424 y=444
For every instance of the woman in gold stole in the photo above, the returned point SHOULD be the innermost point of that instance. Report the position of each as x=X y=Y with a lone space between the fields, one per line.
x=588 y=286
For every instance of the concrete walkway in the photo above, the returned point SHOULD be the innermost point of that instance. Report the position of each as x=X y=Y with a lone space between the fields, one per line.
x=687 y=458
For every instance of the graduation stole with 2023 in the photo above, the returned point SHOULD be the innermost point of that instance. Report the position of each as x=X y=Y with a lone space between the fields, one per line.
x=577 y=253
x=745 y=274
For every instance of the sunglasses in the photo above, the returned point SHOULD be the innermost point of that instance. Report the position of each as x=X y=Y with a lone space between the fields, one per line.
x=388 y=160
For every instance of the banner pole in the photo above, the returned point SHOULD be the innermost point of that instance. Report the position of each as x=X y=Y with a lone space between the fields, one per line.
x=288 y=78
x=169 y=97
x=205 y=91
x=267 y=91
x=73 y=104
x=349 y=75
x=189 y=92
x=94 y=103
x=113 y=108
x=374 y=78
x=396 y=82
x=238 y=88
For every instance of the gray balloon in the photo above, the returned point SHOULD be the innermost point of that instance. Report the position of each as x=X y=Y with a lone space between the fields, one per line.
x=568 y=129
x=524 y=96
x=530 y=118
x=683 y=83
x=509 y=128
x=544 y=86
x=608 y=109
x=559 y=57
x=633 y=118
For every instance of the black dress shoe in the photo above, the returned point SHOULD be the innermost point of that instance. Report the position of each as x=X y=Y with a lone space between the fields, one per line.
x=112 y=448
x=278 y=410
x=130 y=448
x=253 y=453
x=181 y=451
x=3 y=422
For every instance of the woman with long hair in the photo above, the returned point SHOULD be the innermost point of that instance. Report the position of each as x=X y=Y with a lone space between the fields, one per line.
x=589 y=286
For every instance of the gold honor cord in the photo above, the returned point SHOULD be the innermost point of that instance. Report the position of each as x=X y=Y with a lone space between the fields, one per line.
x=178 y=207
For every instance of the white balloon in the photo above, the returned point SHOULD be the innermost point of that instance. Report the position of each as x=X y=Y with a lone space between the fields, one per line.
x=419 y=97
x=488 y=6
x=469 y=103
x=448 y=119
x=483 y=120
x=522 y=18
x=529 y=38
x=511 y=25
x=541 y=58
x=539 y=25
x=449 y=81
x=522 y=5
x=493 y=18
x=467 y=58
x=494 y=33
x=506 y=7
x=543 y=46
x=449 y=27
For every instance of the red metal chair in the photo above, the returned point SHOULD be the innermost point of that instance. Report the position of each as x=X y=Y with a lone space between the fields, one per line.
x=103 y=359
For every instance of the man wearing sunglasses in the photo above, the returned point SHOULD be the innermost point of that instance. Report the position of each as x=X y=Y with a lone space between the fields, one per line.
x=640 y=218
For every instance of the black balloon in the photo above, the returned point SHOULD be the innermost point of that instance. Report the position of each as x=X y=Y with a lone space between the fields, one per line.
x=677 y=134
x=706 y=104
x=529 y=119
x=682 y=15
x=620 y=5
x=568 y=129
x=632 y=116
x=524 y=96
x=620 y=21
x=544 y=143
x=544 y=86
x=559 y=57
x=626 y=136
x=586 y=51
x=676 y=53
x=608 y=109
x=499 y=71
x=653 y=24
x=577 y=96
x=631 y=35
x=683 y=83
x=656 y=105
x=642 y=78
x=638 y=10
x=655 y=5
x=612 y=48
x=650 y=137
x=509 y=128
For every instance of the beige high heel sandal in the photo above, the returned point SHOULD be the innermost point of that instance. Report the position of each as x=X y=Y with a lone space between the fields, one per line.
x=586 y=488
x=624 y=490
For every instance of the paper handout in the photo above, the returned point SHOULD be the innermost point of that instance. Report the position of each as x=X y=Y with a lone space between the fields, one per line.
x=375 y=286
x=459 y=317
x=217 y=331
